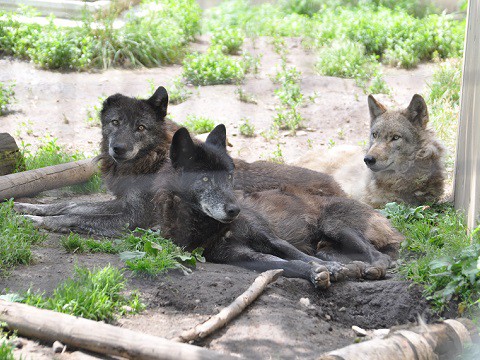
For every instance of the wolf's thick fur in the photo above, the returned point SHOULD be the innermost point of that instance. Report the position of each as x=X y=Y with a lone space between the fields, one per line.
x=296 y=229
x=136 y=138
x=403 y=163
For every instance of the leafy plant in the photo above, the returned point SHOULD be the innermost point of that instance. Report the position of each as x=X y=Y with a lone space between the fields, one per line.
x=247 y=128
x=7 y=95
x=212 y=68
x=17 y=235
x=147 y=251
x=6 y=350
x=93 y=114
x=199 y=124
x=96 y=295
x=230 y=40
x=437 y=252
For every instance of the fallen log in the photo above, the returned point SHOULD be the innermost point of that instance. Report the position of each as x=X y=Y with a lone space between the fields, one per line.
x=31 y=182
x=95 y=336
x=445 y=340
x=231 y=311
x=10 y=156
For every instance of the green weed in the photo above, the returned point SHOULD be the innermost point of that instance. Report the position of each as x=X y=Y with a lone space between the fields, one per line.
x=178 y=92
x=438 y=252
x=148 y=252
x=245 y=97
x=277 y=155
x=230 y=40
x=96 y=295
x=93 y=114
x=7 y=96
x=16 y=237
x=199 y=124
x=75 y=243
x=212 y=68
x=246 y=128
x=6 y=350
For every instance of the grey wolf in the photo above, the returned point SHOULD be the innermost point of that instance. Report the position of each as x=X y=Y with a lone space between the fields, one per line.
x=136 y=137
x=295 y=229
x=403 y=162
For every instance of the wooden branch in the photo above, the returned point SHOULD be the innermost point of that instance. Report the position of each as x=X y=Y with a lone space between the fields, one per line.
x=31 y=182
x=234 y=309
x=10 y=156
x=445 y=340
x=95 y=336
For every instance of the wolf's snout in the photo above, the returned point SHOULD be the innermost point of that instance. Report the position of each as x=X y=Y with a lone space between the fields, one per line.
x=232 y=210
x=369 y=160
x=119 y=150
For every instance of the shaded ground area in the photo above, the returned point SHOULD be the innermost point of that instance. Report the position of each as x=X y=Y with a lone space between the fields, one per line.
x=291 y=319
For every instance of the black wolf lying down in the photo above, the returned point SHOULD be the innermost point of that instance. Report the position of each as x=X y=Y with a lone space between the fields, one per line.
x=136 y=138
x=298 y=230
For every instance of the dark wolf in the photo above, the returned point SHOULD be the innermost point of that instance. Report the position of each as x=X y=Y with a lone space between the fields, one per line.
x=136 y=137
x=299 y=230
x=403 y=162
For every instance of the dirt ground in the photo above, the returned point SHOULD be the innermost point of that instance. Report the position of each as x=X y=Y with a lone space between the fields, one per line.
x=291 y=320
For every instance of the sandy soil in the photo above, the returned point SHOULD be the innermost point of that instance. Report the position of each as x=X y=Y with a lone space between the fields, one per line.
x=279 y=324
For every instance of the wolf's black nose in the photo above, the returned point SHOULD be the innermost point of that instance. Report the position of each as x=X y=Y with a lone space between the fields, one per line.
x=119 y=150
x=232 y=210
x=369 y=160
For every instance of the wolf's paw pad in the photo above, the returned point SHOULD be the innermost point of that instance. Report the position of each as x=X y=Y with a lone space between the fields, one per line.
x=320 y=276
x=374 y=273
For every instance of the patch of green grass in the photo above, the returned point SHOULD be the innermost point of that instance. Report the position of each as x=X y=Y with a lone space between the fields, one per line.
x=51 y=153
x=157 y=33
x=347 y=59
x=246 y=128
x=438 y=253
x=6 y=350
x=230 y=40
x=212 y=68
x=199 y=124
x=148 y=252
x=277 y=155
x=17 y=235
x=178 y=92
x=92 y=294
x=7 y=96
x=75 y=243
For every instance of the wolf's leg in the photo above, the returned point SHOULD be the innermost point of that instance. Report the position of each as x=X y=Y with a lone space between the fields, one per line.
x=287 y=251
x=84 y=208
x=245 y=257
x=102 y=225
x=349 y=244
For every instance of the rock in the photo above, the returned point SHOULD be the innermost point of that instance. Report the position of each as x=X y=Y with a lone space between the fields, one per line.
x=359 y=331
x=58 y=347
x=306 y=302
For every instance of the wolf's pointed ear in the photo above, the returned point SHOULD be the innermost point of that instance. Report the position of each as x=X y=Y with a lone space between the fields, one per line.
x=376 y=109
x=417 y=111
x=182 y=149
x=159 y=101
x=218 y=137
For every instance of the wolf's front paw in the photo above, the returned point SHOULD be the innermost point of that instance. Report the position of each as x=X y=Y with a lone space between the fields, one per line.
x=37 y=221
x=320 y=276
x=24 y=208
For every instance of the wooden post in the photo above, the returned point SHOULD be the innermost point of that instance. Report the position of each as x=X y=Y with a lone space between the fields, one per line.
x=10 y=156
x=467 y=164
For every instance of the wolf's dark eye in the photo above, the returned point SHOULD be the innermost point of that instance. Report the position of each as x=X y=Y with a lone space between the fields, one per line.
x=396 y=137
x=205 y=179
x=141 y=128
x=115 y=122
x=374 y=135
x=230 y=177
